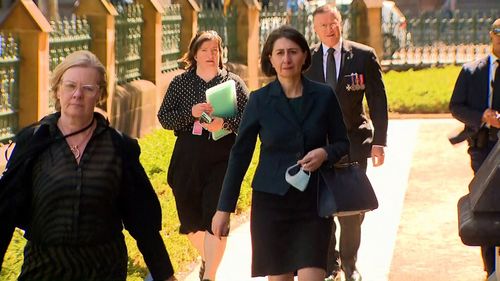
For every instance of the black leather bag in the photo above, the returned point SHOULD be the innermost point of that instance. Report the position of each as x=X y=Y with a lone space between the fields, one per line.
x=344 y=190
x=479 y=211
x=477 y=228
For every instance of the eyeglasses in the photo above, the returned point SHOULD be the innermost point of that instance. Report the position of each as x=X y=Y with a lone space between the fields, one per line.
x=326 y=26
x=496 y=30
x=69 y=88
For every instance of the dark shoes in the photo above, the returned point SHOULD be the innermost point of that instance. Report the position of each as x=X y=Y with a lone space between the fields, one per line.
x=335 y=276
x=355 y=276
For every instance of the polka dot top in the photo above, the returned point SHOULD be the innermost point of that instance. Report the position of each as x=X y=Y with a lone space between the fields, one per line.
x=188 y=89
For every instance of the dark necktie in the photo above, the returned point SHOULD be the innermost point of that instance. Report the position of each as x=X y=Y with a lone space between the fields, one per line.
x=331 y=70
x=495 y=104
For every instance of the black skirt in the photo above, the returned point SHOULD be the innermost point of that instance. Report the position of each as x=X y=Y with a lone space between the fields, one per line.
x=287 y=233
x=195 y=174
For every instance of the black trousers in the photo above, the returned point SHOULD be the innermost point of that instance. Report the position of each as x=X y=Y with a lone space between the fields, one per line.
x=477 y=157
x=350 y=239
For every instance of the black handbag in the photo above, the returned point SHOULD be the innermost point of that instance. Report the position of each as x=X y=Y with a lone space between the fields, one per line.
x=477 y=228
x=344 y=190
x=479 y=211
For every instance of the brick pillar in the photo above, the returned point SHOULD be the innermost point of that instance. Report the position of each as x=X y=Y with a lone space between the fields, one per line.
x=32 y=29
x=375 y=39
x=248 y=32
x=189 y=24
x=101 y=16
x=151 y=39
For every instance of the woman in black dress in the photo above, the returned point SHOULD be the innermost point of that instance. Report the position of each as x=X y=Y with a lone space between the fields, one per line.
x=198 y=161
x=300 y=122
x=72 y=183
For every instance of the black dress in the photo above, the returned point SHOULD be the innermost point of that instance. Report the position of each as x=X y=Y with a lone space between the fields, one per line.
x=198 y=163
x=287 y=233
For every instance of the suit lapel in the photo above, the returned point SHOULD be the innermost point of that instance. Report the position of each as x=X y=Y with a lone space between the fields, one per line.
x=280 y=103
x=484 y=69
x=345 y=65
x=317 y=59
x=307 y=98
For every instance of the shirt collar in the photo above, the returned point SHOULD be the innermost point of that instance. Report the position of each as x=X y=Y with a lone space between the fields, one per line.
x=493 y=58
x=336 y=47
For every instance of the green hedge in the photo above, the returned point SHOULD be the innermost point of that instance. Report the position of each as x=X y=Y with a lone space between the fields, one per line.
x=422 y=91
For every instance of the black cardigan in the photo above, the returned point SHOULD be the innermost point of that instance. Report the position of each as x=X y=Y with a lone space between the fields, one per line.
x=139 y=205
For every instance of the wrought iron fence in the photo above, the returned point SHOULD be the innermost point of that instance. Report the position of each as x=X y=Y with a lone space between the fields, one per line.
x=276 y=15
x=9 y=89
x=171 y=31
x=440 y=54
x=212 y=17
x=128 y=26
x=460 y=27
x=270 y=19
x=67 y=36
x=232 y=37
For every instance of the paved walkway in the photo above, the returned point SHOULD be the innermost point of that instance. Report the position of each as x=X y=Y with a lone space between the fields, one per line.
x=413 y=235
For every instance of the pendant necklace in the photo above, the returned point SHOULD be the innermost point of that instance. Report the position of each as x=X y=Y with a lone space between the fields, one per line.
x=75 y=148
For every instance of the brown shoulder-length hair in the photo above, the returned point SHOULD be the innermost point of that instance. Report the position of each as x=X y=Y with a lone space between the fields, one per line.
x=289 y=33
x=81 y=58
x=200 y=38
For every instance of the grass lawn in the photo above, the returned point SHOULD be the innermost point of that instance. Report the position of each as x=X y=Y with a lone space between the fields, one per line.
x=422 y=91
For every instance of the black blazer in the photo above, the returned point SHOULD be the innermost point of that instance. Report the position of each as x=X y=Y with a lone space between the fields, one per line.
x=138 y=203
x=470 y=95
x=284 y=137
x=360 y=59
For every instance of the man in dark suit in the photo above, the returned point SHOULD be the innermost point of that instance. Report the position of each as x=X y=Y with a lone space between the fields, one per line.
x=476 y=103
x=354 y=73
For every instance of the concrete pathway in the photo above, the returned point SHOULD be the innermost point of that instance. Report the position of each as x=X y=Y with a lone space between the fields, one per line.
x=413 y=235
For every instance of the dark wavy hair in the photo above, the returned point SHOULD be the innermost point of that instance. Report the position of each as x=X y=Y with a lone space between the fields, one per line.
x=200 y=38
x=289 y=33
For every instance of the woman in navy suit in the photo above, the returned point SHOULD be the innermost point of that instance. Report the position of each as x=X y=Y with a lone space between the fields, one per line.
x=300 y=122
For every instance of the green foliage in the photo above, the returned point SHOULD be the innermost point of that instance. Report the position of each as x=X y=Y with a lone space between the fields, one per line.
x=422 y=91
x=14 y=257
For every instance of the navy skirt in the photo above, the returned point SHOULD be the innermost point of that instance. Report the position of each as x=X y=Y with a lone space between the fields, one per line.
x=287 y=233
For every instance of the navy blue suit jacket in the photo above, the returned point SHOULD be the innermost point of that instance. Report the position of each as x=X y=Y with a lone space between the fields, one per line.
x=285 y=138
x=470 y=95
x=360 y=59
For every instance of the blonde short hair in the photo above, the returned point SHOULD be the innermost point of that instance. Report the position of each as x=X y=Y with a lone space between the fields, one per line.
x=78 y=59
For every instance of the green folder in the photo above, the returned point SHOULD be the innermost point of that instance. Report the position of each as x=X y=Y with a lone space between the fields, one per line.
x=222 y=97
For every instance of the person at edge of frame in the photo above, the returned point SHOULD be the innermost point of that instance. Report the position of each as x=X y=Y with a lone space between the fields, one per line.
x=476 y=103
x=73 y=183
x=299 y=123
x=353 y=71
x=199 y=161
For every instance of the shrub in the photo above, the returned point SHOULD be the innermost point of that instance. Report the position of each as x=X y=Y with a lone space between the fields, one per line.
x=422 y=91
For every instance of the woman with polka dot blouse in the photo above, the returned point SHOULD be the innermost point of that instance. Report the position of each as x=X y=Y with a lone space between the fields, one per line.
x=198 y=162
